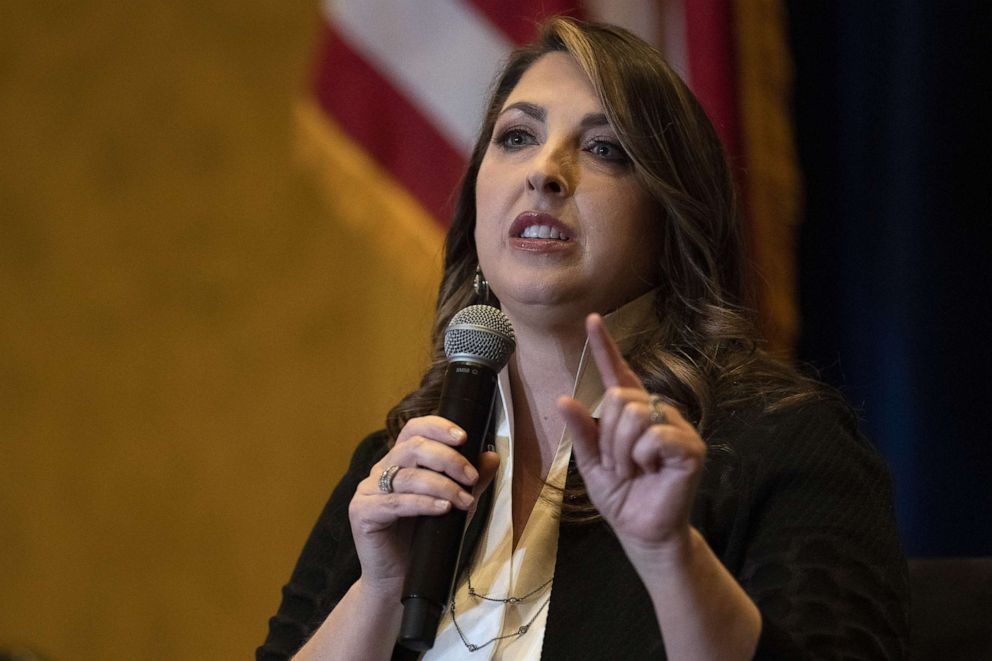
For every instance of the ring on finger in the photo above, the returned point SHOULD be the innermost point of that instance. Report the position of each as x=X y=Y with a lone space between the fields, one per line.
x=386 y=479
x=657 y=413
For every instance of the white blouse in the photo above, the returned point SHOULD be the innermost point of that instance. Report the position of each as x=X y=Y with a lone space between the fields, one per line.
x=486 y=620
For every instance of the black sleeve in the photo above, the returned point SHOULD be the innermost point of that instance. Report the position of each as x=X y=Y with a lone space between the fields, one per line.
x=821 y=556
x=328 y=564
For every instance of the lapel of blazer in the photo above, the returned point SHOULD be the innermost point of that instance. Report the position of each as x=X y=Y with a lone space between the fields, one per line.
x=599 y=607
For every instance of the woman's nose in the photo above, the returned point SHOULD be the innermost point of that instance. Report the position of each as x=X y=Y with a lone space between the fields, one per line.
x=552 y=172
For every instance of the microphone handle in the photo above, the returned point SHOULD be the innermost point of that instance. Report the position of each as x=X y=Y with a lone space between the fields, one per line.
x=467 y=398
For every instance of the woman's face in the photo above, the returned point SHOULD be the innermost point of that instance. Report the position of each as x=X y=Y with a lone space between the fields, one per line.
x=563 y=227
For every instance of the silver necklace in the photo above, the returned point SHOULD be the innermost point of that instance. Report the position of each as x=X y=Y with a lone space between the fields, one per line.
x=521 y=630
x=505 y=600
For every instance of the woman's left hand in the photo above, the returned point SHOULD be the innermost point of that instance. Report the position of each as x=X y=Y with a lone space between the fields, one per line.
x=641 y=474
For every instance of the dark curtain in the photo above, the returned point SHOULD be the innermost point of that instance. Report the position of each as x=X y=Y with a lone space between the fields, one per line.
x=892 y=128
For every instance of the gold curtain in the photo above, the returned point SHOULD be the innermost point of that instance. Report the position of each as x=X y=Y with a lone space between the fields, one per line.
x=190 y=345
x=773 y=182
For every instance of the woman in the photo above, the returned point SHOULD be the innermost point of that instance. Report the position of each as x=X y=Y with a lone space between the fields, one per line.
x=718 y=505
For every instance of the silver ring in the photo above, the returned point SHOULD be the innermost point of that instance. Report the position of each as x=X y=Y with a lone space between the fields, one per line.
x=386 y=479
x=657 y=413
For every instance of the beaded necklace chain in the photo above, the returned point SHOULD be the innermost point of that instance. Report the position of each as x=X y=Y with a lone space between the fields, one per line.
x=505 y=600
x=521 y=630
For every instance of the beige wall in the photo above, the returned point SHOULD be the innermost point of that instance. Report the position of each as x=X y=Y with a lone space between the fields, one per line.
x=184 y=358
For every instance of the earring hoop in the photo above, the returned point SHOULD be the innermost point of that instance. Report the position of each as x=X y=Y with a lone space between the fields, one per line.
x=481 y=286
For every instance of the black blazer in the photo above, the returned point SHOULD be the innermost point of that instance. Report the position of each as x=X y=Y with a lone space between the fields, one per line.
x=796 y=505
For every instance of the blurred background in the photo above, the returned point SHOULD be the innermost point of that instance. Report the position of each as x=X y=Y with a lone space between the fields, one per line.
x=197 y=325
x=186 y=358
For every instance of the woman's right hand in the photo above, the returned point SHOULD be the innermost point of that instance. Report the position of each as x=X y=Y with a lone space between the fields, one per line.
x=429 y=482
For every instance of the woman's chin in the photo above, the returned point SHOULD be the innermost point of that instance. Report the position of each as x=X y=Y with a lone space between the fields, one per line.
x=537 y=294
x=543 y=305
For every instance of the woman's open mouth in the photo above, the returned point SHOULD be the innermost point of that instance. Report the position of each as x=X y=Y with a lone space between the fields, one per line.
x=534 y=225
x=543 y=232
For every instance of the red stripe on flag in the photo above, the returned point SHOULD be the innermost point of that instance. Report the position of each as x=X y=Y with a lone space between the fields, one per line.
x=710 y=45
x=387 y=125
x=520 y=19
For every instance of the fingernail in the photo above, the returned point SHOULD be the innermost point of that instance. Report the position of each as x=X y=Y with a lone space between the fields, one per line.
x=465 y=498
x=456 y=433
x=471 y=474
x=441 y=505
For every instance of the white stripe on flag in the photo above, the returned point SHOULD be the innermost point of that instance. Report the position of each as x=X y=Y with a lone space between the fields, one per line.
x=674 y=39
x=442 y=55
x=661 y=23
x=638 y=16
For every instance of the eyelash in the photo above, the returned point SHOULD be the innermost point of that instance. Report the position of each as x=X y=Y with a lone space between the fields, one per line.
x=621 y=154
x=503 y=138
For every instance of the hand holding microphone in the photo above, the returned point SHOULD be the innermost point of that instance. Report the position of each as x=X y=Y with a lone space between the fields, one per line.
x=432 y=466
x=478 y=343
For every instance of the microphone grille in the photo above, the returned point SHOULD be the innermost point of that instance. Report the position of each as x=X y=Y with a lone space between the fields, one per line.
x=481 y=334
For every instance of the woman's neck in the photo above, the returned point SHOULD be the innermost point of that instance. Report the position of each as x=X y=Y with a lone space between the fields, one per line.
x=542 y=369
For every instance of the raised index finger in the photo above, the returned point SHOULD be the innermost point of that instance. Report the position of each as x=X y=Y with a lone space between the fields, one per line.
x=612 y=367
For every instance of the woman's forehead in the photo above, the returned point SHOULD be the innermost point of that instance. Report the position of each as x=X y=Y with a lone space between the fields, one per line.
x=554 y=79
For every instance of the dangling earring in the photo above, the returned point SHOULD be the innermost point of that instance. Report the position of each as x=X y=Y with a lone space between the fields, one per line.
x=481 y=286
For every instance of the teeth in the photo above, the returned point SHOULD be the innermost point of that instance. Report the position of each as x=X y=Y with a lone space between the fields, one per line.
x=543 y=232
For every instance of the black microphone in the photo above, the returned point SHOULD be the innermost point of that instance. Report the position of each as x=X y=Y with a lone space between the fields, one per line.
x=478 y=343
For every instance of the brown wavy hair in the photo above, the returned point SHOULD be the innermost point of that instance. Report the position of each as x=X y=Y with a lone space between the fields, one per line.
x=704 y=356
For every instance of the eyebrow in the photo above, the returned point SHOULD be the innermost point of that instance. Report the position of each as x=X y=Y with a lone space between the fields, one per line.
x=529 y=109
x=540 y=114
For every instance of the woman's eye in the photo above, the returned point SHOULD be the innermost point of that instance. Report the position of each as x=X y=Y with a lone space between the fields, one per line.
x=608 y=151
x=515 y=138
